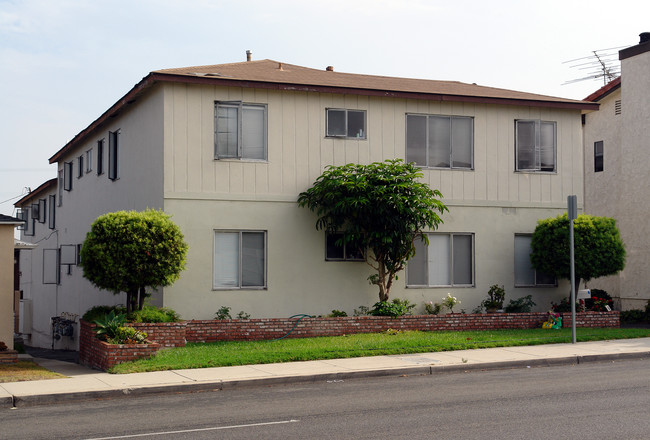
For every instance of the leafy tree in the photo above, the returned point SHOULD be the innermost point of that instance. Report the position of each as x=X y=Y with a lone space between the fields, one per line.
x=380 y=208
x=599 y=250
x=128 y=251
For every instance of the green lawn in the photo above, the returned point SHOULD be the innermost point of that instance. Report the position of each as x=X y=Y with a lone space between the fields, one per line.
x=220 y=354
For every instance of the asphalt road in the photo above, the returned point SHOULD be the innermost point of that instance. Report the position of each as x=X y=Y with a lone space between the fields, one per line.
x=587 y=401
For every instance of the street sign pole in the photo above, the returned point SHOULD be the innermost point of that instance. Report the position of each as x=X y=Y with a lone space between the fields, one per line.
x=572 y=207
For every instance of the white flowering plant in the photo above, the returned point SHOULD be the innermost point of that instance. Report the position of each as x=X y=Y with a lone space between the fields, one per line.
x=449 y=302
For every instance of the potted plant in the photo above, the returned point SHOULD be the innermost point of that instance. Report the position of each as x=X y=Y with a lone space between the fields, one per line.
x=494 y=301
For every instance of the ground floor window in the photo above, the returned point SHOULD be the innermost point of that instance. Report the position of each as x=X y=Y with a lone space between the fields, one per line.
x=525 y=274
x=239 y=259
x=448 y=260
x=337 y=251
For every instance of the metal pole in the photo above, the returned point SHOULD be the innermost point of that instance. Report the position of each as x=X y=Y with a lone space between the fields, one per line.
x=572 y=208
x=573 y=287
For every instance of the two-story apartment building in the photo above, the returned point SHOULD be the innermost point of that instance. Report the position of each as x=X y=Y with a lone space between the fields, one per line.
x=616 y=139
x=226 y=149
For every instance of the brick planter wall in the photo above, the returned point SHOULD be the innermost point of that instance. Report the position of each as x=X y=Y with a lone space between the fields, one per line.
x=8 y=357
x=98 y=354
x=593 y=319
x=102 y=356
x=167 y=334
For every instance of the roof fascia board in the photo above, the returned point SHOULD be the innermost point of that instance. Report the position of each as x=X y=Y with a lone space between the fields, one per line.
x=633 y=51
x=37 y=192
x=152 y=78
x=372 y=92
x=116 y=108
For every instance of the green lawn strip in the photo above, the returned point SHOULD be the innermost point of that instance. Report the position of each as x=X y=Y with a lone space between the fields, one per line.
x=221 y=354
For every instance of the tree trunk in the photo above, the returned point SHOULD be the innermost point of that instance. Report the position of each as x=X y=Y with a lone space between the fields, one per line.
x=131 y=300
x=383 y=283
x=141 y=298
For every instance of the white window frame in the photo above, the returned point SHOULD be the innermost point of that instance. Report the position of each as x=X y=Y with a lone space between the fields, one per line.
x=29 y=221
x=67 y=176
x=450 y=262
x=347 y=255
x=428 y=160
x=89 y=160
x=60 y=185
x=343 y=132
x=239 y=258
x=221 y=127
x=534 y=272
x=539 y=144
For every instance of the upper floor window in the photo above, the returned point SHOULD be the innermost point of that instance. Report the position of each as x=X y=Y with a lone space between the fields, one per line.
x=448 y=260
x=42 y=204
x=67 y=176
x=535 y=145
x=100 y=157
x=51 y=211
x=335 y=250
x=89 y=160
x=80 y=167
x=350 y=124
x=598 y=156
x=60 y=185
x=114 y=155
x=440 y=141
x=240 y=131
x=525 y=274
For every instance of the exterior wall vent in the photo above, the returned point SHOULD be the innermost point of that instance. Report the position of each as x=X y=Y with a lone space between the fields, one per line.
x=617 y=107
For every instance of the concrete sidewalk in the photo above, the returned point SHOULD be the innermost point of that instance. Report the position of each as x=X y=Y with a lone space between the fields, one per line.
x=83 y=383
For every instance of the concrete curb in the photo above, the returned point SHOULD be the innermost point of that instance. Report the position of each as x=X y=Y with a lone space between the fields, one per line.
x=57 y=398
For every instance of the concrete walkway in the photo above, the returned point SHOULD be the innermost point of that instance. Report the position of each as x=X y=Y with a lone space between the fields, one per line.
x=83 y=383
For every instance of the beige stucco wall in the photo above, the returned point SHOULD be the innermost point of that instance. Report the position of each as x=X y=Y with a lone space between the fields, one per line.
x=491 y=201
x=7 y=284
x=603 y=192
x=635 y=213
x=301 y=281
x=621 y=190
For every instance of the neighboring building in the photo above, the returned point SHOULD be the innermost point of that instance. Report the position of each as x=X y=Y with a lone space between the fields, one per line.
x=616 y=141
x=226 y=149
x=7 y=226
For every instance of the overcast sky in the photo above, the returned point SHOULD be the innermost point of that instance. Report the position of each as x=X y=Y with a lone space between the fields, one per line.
x=64 y=62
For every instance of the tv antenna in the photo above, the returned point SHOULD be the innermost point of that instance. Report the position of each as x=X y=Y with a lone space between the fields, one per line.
x=601 y=63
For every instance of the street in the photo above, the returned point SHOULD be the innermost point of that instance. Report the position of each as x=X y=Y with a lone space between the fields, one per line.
x=587 y=401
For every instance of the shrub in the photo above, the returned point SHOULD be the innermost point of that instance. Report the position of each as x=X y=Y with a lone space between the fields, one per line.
x=127 y=335
x=107 y=327
x=243 y=315
x=520 y=305
x=495 y=298
x=432 y=308
x=362 y=311
x=3 y=346
x=565 y=306
x=398 y=307
x=635 y=315
x=153 y=314
x=449 y=302
x=223 y=313
x=337 y=314
x=99 y=312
